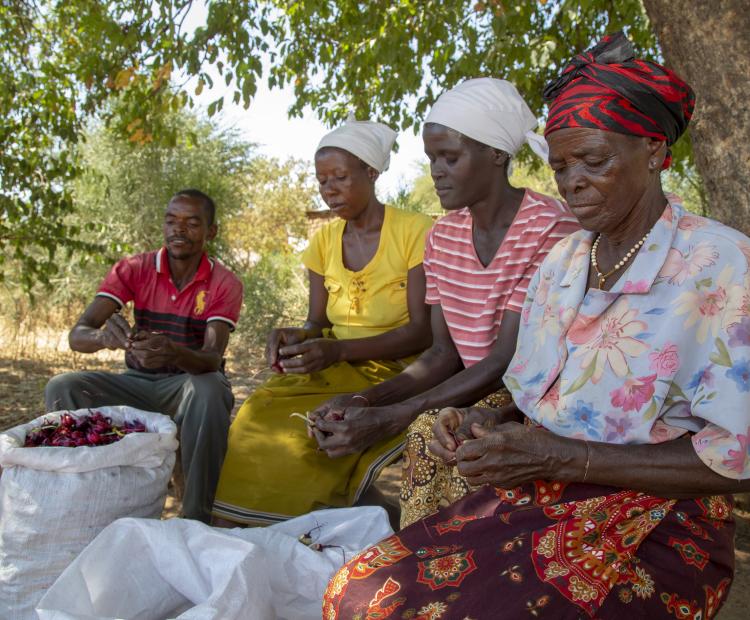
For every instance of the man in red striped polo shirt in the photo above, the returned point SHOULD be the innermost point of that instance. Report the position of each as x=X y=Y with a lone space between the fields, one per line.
x=185 y=305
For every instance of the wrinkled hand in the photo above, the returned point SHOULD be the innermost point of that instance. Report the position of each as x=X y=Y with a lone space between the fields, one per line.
x=512 y=454
x=116 y=333
x=153 y=350
x=453 y=427
x=310 y=355
x=278 y=338
x=360 y=428
x=333 y=409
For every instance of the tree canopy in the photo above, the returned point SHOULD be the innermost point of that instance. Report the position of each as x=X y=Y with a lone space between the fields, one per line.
x=120 y=198
x=375 y=58
x=129 y=62
x=64 y=62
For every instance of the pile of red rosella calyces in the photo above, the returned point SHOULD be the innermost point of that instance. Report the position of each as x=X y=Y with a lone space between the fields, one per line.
x=88 y=430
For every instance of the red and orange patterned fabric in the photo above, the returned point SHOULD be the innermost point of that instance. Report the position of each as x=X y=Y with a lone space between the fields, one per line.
x=547 y=550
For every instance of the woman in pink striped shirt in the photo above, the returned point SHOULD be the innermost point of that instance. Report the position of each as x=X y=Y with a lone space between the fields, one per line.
x=478 y=261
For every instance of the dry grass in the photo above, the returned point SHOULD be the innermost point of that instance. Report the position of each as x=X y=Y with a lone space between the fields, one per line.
x=25 y=370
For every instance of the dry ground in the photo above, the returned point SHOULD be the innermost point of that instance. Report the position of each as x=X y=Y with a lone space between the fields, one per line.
x=21 y=399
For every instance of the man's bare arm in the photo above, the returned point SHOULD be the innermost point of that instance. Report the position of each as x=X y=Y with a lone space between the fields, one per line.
x=100 y=327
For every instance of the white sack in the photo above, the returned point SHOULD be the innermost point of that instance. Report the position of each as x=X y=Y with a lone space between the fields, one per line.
x=54 y=501
x=151 y=570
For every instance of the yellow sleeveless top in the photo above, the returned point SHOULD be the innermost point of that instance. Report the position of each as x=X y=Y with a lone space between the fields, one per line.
x=370 y=301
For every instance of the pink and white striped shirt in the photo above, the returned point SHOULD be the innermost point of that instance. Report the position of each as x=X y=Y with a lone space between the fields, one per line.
x=474 y=297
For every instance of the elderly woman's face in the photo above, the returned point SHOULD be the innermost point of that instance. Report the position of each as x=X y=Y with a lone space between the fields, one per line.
x=602 y=175
x=345 y=183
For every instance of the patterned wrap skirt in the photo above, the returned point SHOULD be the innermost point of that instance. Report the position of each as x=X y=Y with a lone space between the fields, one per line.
x=546 y=550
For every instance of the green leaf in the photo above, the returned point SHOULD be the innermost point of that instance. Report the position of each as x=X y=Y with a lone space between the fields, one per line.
x=651 y=411
x=581 y=381
x=512 y=383
x=721 y=355
x=675 y=392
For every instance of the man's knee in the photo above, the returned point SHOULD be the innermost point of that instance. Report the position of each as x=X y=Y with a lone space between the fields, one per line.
x=58 y=391
x=209 y=393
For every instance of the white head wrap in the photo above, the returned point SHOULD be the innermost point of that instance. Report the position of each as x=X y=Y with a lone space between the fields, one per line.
x=371 y=142
x=492 y=112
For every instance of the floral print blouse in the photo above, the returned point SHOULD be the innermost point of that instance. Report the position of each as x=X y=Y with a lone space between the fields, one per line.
x=665 y=352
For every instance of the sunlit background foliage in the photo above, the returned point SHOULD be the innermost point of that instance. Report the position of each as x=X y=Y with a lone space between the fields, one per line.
x=98 y=125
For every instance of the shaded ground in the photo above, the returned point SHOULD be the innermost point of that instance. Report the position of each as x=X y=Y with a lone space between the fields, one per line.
x=22 y=381
x=21 y=399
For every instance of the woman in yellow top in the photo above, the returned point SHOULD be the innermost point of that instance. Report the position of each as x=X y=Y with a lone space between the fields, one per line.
x=366 y=320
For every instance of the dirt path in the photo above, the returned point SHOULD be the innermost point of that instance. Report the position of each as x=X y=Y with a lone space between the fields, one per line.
x=21 y=399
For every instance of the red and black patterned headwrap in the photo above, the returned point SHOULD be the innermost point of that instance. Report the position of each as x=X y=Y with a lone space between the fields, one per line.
x=607 y=88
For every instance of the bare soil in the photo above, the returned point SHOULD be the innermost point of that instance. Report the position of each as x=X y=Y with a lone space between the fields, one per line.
x=22 y=384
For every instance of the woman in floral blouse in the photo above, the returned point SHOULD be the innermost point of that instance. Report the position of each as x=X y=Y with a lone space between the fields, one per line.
x=632 y=375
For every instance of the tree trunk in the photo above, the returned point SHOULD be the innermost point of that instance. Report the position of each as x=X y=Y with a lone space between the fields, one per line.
x=707 y=43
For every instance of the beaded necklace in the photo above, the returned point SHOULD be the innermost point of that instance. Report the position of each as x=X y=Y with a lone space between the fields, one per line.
x=603 y=276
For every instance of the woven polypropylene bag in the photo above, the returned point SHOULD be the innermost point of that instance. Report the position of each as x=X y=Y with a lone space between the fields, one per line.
x=54 y=501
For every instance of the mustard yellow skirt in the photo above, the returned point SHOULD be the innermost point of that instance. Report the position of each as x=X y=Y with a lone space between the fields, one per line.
x=273 y=470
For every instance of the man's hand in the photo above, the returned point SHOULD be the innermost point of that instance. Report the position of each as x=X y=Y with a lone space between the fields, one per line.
x=360 y=428
x=512 y=454
x=116 y=333
x=278 y=338
x=154 y=350
x=310 y=355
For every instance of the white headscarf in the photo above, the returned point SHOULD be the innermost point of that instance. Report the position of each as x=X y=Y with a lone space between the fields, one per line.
x=371 y=142
x=492 y=112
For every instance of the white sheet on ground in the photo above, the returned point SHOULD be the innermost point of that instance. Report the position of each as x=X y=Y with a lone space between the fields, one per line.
x=142 y=569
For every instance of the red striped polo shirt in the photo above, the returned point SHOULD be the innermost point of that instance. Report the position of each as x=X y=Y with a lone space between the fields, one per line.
x=474 y=297
x=214 y=294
